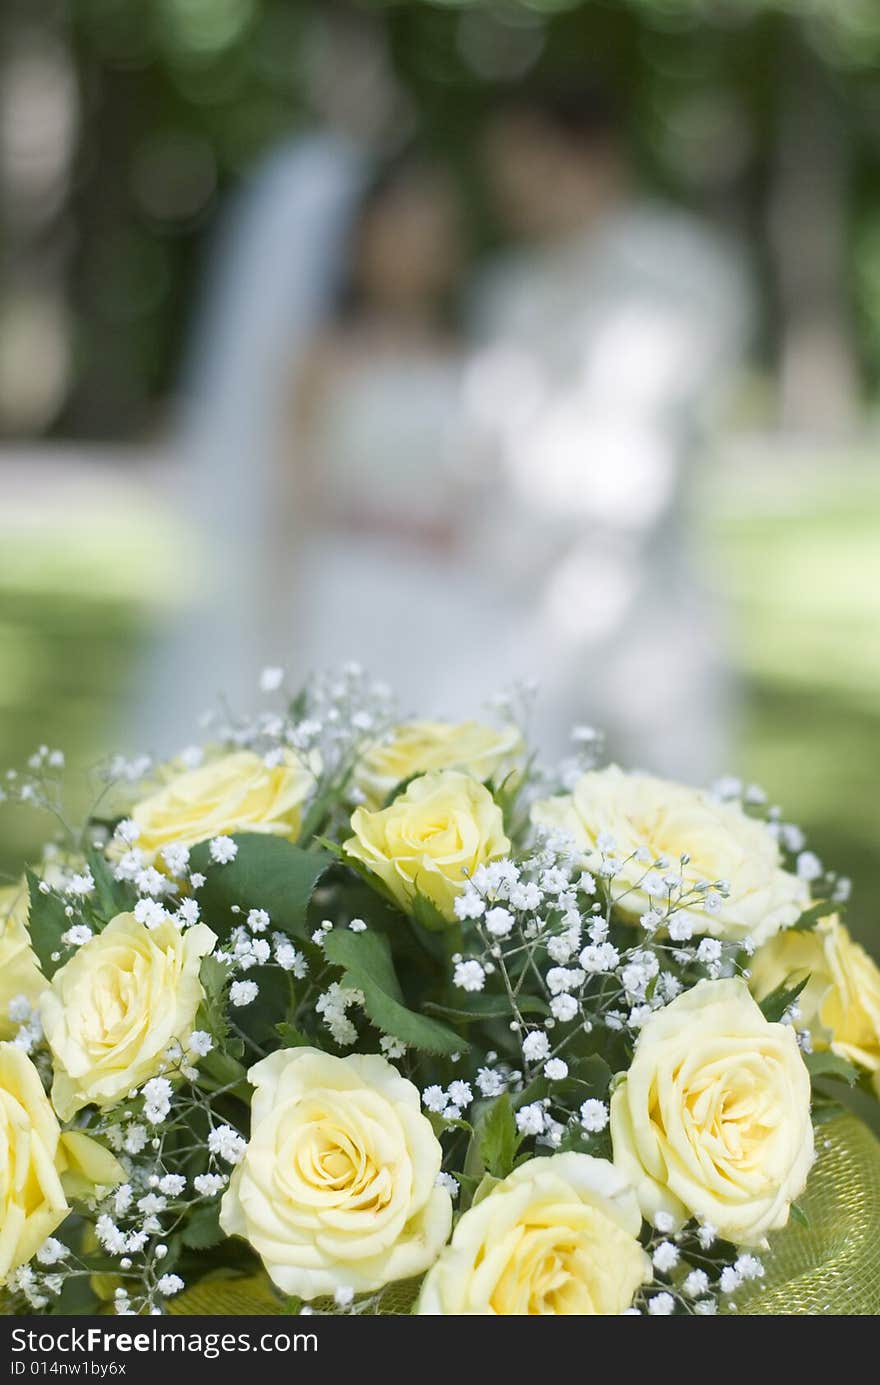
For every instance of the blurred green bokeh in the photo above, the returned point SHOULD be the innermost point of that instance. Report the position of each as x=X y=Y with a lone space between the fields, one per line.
x=153 y=113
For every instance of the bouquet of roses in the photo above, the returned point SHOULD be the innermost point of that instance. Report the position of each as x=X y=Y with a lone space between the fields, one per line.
x=349 y=1014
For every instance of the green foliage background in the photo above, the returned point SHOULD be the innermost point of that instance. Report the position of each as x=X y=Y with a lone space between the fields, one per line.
x=179 y=98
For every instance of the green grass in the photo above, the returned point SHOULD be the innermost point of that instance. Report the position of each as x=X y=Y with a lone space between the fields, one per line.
x=796 y=553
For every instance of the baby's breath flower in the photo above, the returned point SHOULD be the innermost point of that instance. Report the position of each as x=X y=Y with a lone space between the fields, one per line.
x=530 y=1119
x=223 y=850
x=695 y=1284
x=227 y=1144
x=170 y=1284
x=469 y=975
x=243 y=992
x=665 y=1257
x=593 y=1115
x=208 y=1184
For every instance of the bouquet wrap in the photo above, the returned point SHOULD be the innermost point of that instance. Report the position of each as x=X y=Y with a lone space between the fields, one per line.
x=830 y=1267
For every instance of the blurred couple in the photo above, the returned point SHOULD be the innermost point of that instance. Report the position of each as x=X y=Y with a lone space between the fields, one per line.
x=463 y=477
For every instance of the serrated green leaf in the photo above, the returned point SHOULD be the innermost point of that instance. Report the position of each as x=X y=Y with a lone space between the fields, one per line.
x=111 y=896
x=46 y=922
x=497 y=1136
x=774 y=1005
x=810 y=917
x=212 y=1011
x=267 y=873
x=366 y=959
x=428 y=916
x=290 y=1036
x=828 y=1064
x=213 y=975
x=203 y=1228
x=440 y=1124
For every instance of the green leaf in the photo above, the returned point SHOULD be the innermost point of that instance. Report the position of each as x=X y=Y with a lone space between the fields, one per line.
x=810 y=917
x=373 y=882
x=581 y=1142
x=111 y=896
x=799 y=1215
x=825 y=1109
x=212 y=1011
x=497 y=1136
x=221 y=1070
x=335 y=850
x=440 y=1125
x=290 y=1036
x=366 y=959
x=774 y=1005
x=267 y=873
x=428 y=916
x=203 y=1228
x=213 y=975
x=46 y=922
x=480 y=1006
x=592 y=1076
x=587 y=1077
x=258 y=1020
x=484 y=1188
x=828 y=1064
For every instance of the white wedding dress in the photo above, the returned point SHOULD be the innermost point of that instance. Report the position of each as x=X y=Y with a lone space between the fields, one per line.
x=601 y=361
x=390 y=574
x=532 y=527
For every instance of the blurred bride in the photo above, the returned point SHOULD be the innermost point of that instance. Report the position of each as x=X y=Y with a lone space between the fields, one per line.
x=379 y=456
x=326 y=447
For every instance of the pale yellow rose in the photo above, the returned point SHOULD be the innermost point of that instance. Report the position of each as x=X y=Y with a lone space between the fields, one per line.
x=20 y=973
x=431 y=838
x=670 y=820
x=36 y=1161
x=417 y=747
x=337 y=1185
x=114 y=1008
x=234 y=793
x=840 y=1004
x=559 y=1236
x=712 y=1120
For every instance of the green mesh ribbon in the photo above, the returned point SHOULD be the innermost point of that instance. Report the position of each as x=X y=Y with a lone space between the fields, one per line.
x=832 y=1265
x=829 y=1266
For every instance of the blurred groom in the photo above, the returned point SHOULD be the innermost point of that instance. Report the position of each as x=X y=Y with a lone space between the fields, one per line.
x=607 y=332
